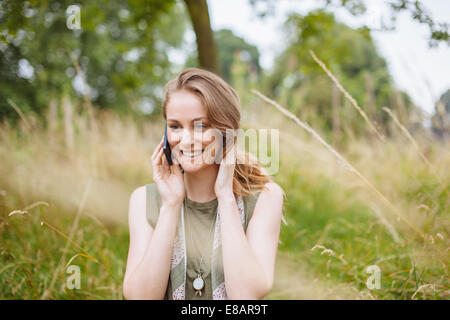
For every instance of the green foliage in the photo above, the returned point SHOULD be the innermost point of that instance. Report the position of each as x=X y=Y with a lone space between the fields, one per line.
x=30 y=256
x=350 y=54
x=320 y=212
x=438 y=31
x=232 y=48
x=229 y=45
x=324 y=206
x=121 y=48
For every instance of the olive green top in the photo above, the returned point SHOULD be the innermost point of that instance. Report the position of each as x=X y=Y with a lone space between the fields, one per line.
x=199 y=219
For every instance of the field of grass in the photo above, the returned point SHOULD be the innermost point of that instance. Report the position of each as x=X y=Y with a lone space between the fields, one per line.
x=65 y=186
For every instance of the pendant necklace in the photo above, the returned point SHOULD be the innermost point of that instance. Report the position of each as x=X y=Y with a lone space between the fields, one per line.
x=199 y=282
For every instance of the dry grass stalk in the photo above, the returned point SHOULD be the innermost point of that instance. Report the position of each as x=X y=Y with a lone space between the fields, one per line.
x=347 y=95
x=422 y=287
x=413 y=142
x=383 y=220
x=52 y=115
x=329 y=252
x=69 y=240
x=52 y=121
x=96 y=155
x=68 y=122
x=22 y=116
x=25 y=212
x=341 y=160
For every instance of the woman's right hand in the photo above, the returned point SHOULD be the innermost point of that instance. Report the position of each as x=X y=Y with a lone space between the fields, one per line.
x=170 y=183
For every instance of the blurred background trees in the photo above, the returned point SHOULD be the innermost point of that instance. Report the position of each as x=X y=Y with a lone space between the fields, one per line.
x=350 y=54
x=125 y=52
x=77 y=169
x=441 y=118
x=121 y=49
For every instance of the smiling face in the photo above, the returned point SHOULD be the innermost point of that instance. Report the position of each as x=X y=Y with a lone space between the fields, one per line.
x=191 y=137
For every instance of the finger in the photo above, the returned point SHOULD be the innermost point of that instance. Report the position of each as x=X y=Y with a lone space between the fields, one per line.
x=226 y=150
x=157 y=161
x=208 y=154
x=166 y=164
x=155 y=152
x=230 y=157
x=177 y=169
x=175 y=161
x=157 y=148
x=210 y=146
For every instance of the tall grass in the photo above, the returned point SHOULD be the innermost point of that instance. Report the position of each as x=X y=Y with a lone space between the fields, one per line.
x=437 y=254
x=337 y=226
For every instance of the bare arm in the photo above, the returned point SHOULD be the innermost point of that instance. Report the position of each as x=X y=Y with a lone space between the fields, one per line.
x=150 y=251
x=252 y=277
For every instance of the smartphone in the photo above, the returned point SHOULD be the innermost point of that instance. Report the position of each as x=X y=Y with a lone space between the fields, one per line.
x=166 y=148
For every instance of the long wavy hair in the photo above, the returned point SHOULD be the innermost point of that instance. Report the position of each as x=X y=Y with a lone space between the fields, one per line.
x=223 y=111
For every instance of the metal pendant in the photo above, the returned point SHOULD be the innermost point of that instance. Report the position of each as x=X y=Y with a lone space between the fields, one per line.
x=198 y=285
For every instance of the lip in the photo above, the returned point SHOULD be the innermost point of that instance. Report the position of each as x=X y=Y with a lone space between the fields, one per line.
x=192 y=151
x=200 y=152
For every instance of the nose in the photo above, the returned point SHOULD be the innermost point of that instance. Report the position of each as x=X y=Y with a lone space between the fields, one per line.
x=191 y=139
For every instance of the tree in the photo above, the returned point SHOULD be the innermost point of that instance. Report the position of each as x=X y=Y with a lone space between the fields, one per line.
x=121 y=48
x=297 y=81
x=229 y=45
x=206 y=46
x=207 y=52
x=438 y=31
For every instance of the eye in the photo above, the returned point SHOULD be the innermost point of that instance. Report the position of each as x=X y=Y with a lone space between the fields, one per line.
x=174 y=127
x=201 y=126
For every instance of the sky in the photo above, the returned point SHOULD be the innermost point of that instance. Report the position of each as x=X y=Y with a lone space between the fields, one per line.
x=422 y=72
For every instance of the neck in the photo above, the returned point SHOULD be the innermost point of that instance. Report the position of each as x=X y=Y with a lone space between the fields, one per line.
x=200 y=185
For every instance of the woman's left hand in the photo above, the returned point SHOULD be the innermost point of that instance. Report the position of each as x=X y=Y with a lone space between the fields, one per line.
x=224 y=180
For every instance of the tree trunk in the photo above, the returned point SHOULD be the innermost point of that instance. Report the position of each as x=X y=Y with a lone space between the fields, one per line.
x=207 y=51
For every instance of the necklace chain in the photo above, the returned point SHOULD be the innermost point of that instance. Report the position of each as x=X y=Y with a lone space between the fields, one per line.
x=199 y=268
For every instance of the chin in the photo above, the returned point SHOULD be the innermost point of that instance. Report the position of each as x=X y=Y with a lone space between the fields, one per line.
x=192 y=168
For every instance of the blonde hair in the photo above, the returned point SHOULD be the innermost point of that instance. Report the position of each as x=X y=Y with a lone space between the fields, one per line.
x=223 y=111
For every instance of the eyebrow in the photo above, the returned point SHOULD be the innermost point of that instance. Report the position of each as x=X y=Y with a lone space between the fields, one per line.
x=199 y=118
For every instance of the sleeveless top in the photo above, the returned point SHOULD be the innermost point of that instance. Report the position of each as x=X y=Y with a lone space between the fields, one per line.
x=199 y=219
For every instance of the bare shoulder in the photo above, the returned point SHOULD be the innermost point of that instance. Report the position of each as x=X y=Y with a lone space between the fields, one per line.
x=137 y=204
x=274 y=192
x=138 y=196
x=270 y=200
x=272 y=195
x=264 y=226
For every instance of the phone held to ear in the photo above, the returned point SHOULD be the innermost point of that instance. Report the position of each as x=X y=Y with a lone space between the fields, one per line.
x=168 y=151
x=166 y=148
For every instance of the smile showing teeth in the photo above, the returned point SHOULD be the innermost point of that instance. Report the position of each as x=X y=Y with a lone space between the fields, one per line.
x=191 y=154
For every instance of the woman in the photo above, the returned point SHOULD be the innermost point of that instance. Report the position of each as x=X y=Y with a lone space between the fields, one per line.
x=182 y=246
